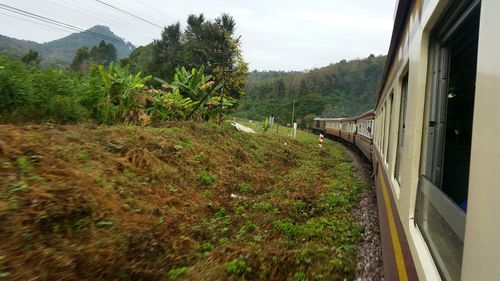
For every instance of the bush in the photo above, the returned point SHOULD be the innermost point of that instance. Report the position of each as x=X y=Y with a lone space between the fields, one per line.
x=207 y=178
x=238 y=267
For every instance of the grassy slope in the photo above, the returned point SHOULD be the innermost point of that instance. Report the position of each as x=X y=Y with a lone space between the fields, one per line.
x=189 y=202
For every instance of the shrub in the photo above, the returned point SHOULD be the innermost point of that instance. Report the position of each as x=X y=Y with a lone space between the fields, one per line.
x=238 y=267
x=245 y=188
x=176 y=273
x=207 y=178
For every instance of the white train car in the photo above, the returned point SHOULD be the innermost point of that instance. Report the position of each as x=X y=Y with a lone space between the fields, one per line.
x=437 y=139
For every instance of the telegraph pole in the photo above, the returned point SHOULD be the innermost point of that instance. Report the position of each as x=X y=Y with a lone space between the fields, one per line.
x=293 y=117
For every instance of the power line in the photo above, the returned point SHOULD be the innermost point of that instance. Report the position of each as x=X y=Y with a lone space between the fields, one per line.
x=55 y=22
x=25 y=19
x=123 y=11
x=92 y=12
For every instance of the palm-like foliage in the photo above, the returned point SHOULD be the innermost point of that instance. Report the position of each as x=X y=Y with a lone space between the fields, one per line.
x=125 y=99
x=194 y=85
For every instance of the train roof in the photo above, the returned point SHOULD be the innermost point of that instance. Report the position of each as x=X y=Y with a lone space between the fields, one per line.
x=403 y=10
x=369 y=113
x=327 y=119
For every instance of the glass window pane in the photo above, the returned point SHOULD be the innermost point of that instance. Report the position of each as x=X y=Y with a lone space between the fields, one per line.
x=442 y=225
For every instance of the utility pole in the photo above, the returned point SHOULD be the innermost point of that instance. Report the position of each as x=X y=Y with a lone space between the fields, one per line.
x=224 y=65
x=293 y=116
x=222 y=93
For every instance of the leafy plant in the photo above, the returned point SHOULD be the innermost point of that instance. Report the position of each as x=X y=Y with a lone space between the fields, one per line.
x=245 y=188
x=24 y=165
x=265 y=125
x=238 y=267
x=206 y=247
x=125 y=99
x=176 y=273
x=207 y=178
x=194 y=85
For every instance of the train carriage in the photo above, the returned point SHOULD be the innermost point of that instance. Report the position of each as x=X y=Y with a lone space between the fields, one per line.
x=333 y=127
x=348 y=129
x=318 y=125
x=364 y=133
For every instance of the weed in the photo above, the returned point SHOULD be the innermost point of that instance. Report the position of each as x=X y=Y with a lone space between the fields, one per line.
x=288 y=228
x=130 y=139
x=304 y=257
x=238 y=267
x=267 y=207
x=159 y=221
x=207 y=193
x=84 y=156
x=24 y=165
x=73 y=137
x=207 y=178
x=6 y=164
x=176 y=273
x=62 y=151
x=206 y=247
x=81 y=224
x=99 y=181
x=220 y=213
x=299 y=276
x=19 y=186
x=199 y=157
x=248 y=227
x=104 y=224
x=245 y=188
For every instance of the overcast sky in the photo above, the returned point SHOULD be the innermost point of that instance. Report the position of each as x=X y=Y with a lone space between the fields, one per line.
x=276 y=34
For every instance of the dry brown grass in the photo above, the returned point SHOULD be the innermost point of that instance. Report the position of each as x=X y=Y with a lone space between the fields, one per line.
x=89 y=203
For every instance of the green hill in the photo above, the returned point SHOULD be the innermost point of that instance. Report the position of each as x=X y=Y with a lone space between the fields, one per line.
x=343 y=89
x=63 y=50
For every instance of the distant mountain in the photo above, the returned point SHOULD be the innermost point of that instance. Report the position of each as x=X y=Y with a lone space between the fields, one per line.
x=63 y=50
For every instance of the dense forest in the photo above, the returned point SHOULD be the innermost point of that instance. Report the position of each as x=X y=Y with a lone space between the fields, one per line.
x=346 y=88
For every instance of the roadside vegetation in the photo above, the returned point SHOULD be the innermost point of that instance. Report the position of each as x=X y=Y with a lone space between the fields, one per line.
x=192 y=74
x=88 y=202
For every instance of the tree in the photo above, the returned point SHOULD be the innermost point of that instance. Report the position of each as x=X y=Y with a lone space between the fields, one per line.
x=103 y=53
x=167 y=52
x=32 y=58
x=211 y=44
x=81 y=60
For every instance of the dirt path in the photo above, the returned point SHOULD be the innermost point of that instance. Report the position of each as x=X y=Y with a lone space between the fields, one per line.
x=369 y=266
x=243 y=128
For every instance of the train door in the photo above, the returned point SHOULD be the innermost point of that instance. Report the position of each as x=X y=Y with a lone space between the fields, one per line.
x=443 y=187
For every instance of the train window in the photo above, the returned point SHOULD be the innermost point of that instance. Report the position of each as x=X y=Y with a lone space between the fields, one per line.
x=382 y=132
x=391 y=99
x=386 y=127
x=402 y=126
x=443 y=189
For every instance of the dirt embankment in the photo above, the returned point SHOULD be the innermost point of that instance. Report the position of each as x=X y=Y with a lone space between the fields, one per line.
x=189 y=202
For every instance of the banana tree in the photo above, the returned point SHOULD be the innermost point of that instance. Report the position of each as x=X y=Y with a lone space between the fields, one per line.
x=194 y=85
x=125 y=92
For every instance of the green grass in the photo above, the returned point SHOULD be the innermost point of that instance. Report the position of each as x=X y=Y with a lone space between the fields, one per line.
x=279 y=130
x=238 y=267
